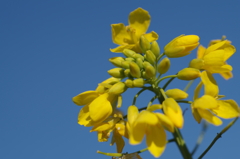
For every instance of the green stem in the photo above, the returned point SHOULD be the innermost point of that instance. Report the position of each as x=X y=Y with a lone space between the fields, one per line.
x=219 y=135
x=168 y=82
x=170 y=76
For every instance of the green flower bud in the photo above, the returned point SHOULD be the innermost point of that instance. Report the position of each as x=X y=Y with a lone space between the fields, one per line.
x=129 y=83
x=188 y=74
x=117 y=72
x=135 y=70
x=117 y=61
x=150 y=57
x=130 y=59
x=176 y=94
x=196 y=63
x=128 y=53
x=118 y=88
x=139 y=61
x=150 y=71
x=145 y=64
x=139 y=82
x=127 y=73
x=164 y=65
x=144 y=44
x=125 y=64
x=155 y=48
x=154 y=107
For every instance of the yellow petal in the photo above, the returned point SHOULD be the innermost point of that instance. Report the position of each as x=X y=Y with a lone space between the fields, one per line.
x=166 y=122
x=122 y=47
x=156 y=140
x=119 y=33
x=132 y=114
x=226 y=75
x=139 y=19
x=173 y=111
x=119 y=141
x=205 y=102
x=136 y=133
x=152 y=36
x=211 y=87
x=215 y=58
x=101 y=108
x=197 y=91
x=229 y=51
x=209 y=117
x=84 y=117
x=196 y=115
x=227 y=109
x=215 y=46
x=200 y=52
x=101 y=127
x=85 y=97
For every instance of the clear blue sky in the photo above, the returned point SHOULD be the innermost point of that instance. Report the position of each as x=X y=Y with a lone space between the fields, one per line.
x=53 y=50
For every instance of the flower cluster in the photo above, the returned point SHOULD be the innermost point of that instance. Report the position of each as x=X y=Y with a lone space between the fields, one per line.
x=143 y=66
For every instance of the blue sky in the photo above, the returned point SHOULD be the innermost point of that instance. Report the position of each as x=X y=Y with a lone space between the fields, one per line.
x=53 y=50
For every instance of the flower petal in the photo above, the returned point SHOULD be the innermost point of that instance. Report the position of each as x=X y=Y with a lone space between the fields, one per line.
x=152 y=36
x=205 y=102
x=209 y=117
x=119 y=33
x=226 y=75
x=139 y=19
x=84 y=117
x=211 y=87
x=132 y=114
x=85 y=97
x=227 y=109
x=119 y=141
x=156 y=140
x=200 y=52
x=196 y=115
x=122 y=47
x=166 y=122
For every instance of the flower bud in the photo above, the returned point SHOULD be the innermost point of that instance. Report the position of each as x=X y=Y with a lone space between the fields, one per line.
x=155 y=48
x=117 y=61
x=135 y=70
x=196 y=63
x=164 y=65
x=139 y=61
x=139 y=82
x=136 y=56
x=117 y=72
x=125 y=64
x=129 y=83
x=150 y=71
x=118 y=88
x=176 y=94
x=128 y=53
x=144 y=44
x=181 y=46
x=188 y=74
x=150 y=57
x=154 y=107
x=145 y=64
x=127 y=73
x=129 y=59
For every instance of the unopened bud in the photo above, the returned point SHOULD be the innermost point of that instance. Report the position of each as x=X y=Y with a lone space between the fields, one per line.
x=144 y=44
x=164 y=65
x=129 y=83
x=150 y=71
x=136 y=56
x=127 y=72
x=117 y=88
x=154 y=107
x=129 y=59
x=135 y=70
x=117 y=72
x=176 y=94
x=145 y=64
x=125 y=64
x=139 y=61
x=150 y=57
x=128 y=53
x=188 y=74
x=196 y=63
x=139 y=82
x=155 y=48
x=117 y=61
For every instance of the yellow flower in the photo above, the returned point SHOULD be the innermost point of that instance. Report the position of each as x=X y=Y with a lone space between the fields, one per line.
x=150 y=124
x=209 y=106
x=214 y=57
x=181 y=46
x=128 y=36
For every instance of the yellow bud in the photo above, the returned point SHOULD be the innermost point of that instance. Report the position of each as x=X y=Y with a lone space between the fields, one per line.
x=188 y=74
x=139 y=61
x=127 y=72
x=154 y=107
x=144 y=44
x=150 y=71
x=164 y=65
x=176 y=94
x=145 y=64
x=129 y=83
x=150 y=57
x=181 y=46
x=125 y=64
x=136 y=56
x=117 y=61
x=117 y=72
x=135 y=70
x=155 y=48
x=196 y=63
x=139 y=82
x=129 y=59
x=128 y=53
x=118 y=88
